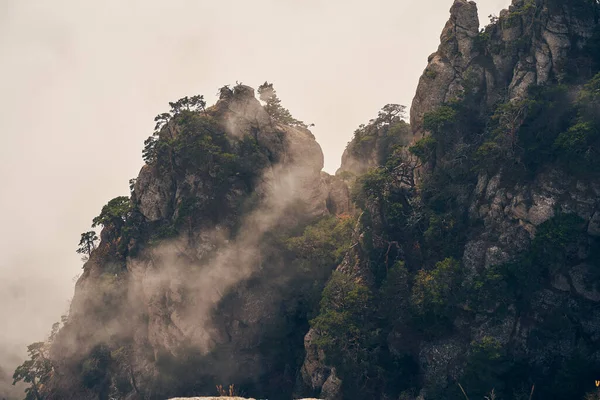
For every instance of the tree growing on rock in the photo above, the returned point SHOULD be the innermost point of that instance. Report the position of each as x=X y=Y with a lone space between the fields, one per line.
x=152 y=145
x=435 y=293
x=38 y=369
x=390 y=114
x=194 y=103
x=115 y=212
x=347 y=331
x=273 y=106
x=161 y=120
x=87 y=244
x=35 y=371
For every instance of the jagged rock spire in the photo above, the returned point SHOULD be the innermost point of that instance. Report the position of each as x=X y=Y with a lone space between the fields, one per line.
x=530 y=43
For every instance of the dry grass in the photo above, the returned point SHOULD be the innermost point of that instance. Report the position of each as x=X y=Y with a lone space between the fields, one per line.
x=230 y=392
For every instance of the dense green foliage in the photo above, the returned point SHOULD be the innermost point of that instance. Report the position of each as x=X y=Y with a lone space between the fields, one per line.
x=114 y=213
x=346 y=328
x=196 y=141
x=121 y=223
x=39 y=368
x=546 y=127
x=352 y=333
x=436 y=293
x=189 y=140
x=424 y=148
x=322 y=244
x=403 y=286
x=486 y=367
x=413 y=239
x=36 y=371
x=381 y=135
x=448 y=155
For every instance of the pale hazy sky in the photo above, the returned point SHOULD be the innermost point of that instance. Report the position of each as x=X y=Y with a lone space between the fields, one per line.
x=81 y=81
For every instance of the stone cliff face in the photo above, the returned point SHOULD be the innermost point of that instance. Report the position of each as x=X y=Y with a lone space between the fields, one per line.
x=529 y=44
x=194 y=284
x=216 y=290
x=533 y=43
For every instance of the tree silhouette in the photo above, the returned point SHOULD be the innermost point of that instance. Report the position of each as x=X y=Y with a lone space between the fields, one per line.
x=194 y=103
x=185 y=104
x=87 y=244
x=274 y=108
x=115 y=212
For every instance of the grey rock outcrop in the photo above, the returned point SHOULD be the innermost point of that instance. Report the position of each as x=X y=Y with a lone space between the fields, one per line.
x=218 y=293
x=443 y=78
x=209 y=290
x=511 y=214
x=314 y=372
x=529 y=44
x=338 y=195
x=332 y=388
x=438 y=360
x=155 y=197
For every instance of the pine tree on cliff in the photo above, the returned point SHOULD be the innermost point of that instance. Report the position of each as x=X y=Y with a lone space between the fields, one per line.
x=87 y=244
x=38 y=369
x=185 y=104
x=273 y=106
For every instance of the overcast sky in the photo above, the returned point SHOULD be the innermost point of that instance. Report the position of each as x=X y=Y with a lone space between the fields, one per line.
x=81 y=81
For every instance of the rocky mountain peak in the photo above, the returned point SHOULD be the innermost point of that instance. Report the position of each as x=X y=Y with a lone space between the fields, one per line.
x=199 y=235
x=468 y=253
x=460 y=30
x=533 y=42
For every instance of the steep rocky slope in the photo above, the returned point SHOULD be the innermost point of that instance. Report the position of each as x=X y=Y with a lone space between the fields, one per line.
x=533 y=42
x=188 y=288
x=491 y=258
x=458 y=253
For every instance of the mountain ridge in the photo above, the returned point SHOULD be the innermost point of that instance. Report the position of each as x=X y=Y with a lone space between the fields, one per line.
x=457 y=251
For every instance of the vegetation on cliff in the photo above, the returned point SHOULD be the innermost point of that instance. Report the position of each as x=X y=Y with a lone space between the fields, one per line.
x=467 y=264
x=218 y=174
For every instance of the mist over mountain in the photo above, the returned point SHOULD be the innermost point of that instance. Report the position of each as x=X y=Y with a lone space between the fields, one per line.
x=454 y=253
